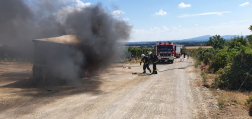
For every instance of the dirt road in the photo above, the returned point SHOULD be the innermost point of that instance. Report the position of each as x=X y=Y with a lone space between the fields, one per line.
x=118 y=94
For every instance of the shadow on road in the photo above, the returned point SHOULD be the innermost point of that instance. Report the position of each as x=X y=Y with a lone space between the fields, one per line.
x=31 y=90
x=25 y=81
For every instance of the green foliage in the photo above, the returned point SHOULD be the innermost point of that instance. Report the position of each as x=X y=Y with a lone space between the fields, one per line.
x=136 y=52
x=220 y=104
x=220 y=71
x=238 y=72
x=197 y=63
x=219 y=60
x=232 y=61
x=237 y=42
x=206 y=57
x=216 y=41
x=249 y=37
x=250 y=28
x=248 y=101
x=203 y=74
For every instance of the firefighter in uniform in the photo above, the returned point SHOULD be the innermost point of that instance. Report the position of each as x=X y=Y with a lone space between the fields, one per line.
x=146 y=62
x=154 y=61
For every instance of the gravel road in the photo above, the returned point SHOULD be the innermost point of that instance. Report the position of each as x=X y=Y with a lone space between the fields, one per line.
x=122 y=95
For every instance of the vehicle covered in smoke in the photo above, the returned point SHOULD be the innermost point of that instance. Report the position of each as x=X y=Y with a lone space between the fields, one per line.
x=57 y=56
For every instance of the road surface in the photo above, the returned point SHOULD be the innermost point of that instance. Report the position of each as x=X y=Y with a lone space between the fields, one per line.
x=118 y=94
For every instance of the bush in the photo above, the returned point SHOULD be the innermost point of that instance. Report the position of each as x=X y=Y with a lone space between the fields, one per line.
x=197 y=63
x=232 y=60
x=216 y=41
x=237 y=42
x=207 y=57
x=238 y=74
x=136 y=52
x=219 y=60
x=249 y=37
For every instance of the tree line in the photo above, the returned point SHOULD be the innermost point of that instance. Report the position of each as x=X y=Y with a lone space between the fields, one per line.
x=232 y=60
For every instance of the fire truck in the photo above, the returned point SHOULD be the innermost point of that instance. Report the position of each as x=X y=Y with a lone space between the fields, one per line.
x=167 y=51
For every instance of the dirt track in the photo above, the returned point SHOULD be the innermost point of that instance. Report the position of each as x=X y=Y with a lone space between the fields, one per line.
x=116 y=94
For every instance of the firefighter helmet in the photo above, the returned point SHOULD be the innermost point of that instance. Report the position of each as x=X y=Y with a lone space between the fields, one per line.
x=143 y=55
x=150 y=52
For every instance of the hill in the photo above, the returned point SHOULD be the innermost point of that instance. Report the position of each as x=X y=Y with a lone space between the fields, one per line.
x=201 y=40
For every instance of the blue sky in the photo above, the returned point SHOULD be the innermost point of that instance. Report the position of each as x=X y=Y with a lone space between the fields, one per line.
x=155 y=20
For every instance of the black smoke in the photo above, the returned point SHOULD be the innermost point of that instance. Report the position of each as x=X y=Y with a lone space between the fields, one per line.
x=19 y=24
x=98 y=32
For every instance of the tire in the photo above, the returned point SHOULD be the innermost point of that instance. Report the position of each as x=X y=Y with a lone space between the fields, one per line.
x=172 y=61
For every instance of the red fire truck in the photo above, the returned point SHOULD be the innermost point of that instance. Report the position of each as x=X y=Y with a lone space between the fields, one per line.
x=166 y=51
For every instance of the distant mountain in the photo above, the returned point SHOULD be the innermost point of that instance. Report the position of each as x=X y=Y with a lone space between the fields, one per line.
x=228 y=37
x=204 y=38
x=196 y=39
x=188 y=42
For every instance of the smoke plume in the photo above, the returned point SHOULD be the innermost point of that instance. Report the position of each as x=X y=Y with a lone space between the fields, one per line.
x=19 y=24
x=97 y=31
x=99 y=34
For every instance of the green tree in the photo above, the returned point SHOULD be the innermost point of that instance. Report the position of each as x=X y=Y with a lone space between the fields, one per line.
x=237 y=42
x=216 y=41
x=249 y=37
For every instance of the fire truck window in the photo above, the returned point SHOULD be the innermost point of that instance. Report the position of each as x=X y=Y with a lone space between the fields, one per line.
x=165 y=48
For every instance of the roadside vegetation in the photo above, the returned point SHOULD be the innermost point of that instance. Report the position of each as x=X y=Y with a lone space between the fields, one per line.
x=229 y=65
x=134 y=53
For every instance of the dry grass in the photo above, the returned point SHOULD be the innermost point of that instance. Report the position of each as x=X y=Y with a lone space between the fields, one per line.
x=133 y=61
x=250 y=110
x=211 y=76
x=231 y=103
x=197 y=84
x=230 y=96
x=197 y=47
x=224 y=97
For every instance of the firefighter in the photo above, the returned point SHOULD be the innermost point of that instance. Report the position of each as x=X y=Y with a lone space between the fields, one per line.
x=154 y=61
x=146 y=62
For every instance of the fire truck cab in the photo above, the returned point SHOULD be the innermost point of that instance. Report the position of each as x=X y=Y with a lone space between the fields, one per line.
x=166 y=51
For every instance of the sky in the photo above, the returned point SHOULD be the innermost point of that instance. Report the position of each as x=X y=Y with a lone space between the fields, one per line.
x=156 y=20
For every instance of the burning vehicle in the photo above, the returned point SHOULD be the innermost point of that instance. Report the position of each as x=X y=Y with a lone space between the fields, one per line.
x=54 y=56
x=67 y=57
x=87 y=43
x=88 y=37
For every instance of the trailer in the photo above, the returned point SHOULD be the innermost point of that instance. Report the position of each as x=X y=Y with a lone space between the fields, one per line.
x=178 y=50
x=51 y=55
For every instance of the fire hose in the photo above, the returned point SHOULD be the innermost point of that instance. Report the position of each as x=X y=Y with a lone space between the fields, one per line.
x=176 y=68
